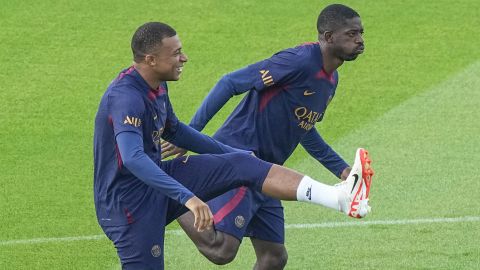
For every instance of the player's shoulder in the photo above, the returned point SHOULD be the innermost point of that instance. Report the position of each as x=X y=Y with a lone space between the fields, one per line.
x=304 y=51
x=301 y=54
x=121 y=92
x=125 y=84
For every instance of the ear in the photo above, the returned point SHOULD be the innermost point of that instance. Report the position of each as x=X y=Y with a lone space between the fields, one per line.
x=150 y=60
x=328 y=36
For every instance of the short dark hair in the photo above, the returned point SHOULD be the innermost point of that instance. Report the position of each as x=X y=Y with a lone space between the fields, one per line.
x=333 y=17
x=148 y=37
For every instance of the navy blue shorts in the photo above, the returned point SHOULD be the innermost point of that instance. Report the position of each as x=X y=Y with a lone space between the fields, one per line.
x=140 y=244
x=246 y=212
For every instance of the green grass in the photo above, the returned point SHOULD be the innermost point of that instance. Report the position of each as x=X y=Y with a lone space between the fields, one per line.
x=411 y=99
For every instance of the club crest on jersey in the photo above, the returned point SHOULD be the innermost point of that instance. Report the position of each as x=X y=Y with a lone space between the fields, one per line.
x=156 y=135
x=239 y=221
x=156 y=251
x=266 y=78
x=133 y=121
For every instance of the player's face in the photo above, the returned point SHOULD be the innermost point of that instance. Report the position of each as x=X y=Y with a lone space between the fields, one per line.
x=348 y=40
x=169 y=59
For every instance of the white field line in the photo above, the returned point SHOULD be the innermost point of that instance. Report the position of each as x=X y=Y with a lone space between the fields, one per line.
x=288 y=226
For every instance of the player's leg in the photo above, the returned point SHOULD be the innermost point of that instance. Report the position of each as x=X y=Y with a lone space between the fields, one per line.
x=267 y=234
x=232 y=210
x=350 y=196
x=218 y=247
x=270 y=255
x=211 y=175
x=233 y=221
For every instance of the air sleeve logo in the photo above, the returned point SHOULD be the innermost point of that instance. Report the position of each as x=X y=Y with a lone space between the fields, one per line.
x=133 y=121
x=266 y=78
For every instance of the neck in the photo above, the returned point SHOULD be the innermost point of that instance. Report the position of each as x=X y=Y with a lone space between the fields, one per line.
x=330 y=62
x=148 y=75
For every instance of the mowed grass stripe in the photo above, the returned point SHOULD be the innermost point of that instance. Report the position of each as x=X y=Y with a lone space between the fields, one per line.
x=424 y=153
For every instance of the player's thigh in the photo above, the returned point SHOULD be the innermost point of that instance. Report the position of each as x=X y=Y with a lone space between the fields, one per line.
x=233 y=211
x=208 y=176
x=140 y=245
x=268 y=223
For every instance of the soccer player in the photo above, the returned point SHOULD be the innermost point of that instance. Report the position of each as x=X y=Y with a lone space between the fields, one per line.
x=287 y=94
x=136 y=194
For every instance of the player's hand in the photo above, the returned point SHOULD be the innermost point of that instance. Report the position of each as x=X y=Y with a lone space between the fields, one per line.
x=345 y=173
x=201 y=212
x=169 y=150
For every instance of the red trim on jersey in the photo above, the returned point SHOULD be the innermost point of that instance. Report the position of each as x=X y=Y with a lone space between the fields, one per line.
x=160 y=90
x=230 y=205
x=119 y=157
x=128 y=71
x=154 y=93
x=267 y=96
x=309 y=43
x=151 y=95
x=130 y=219
x=322 y=74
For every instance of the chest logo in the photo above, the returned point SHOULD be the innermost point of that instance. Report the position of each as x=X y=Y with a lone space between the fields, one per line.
x=308 y=93
x=156 y=136
x=306 y=117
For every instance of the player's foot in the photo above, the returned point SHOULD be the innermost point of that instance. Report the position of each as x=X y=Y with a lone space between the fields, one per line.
x=354 y=191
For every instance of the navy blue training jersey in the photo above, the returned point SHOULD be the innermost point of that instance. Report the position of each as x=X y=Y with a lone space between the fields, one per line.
x=129 y=105
x=288 y=94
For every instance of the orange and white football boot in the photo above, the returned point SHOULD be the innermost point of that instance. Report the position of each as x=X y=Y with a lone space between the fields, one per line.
x=354 y=191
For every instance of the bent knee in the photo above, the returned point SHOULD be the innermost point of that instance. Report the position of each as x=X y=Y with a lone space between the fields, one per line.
x=273 y=260
x=222 y=250
x=222 y=255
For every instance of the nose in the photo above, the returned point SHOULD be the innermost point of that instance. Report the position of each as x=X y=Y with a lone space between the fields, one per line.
x=359 y=39
x=183 y=58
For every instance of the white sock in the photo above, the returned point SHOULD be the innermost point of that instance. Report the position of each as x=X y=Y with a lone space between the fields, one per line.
x=315 y=192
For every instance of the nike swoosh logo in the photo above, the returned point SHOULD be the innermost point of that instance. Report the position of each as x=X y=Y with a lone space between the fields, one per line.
x=307 y=93
x=354 y=182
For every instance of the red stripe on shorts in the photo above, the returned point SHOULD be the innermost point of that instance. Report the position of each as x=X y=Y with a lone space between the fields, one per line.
x=228 y=207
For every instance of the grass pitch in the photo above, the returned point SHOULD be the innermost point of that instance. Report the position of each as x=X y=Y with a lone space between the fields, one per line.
x=411 y=100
